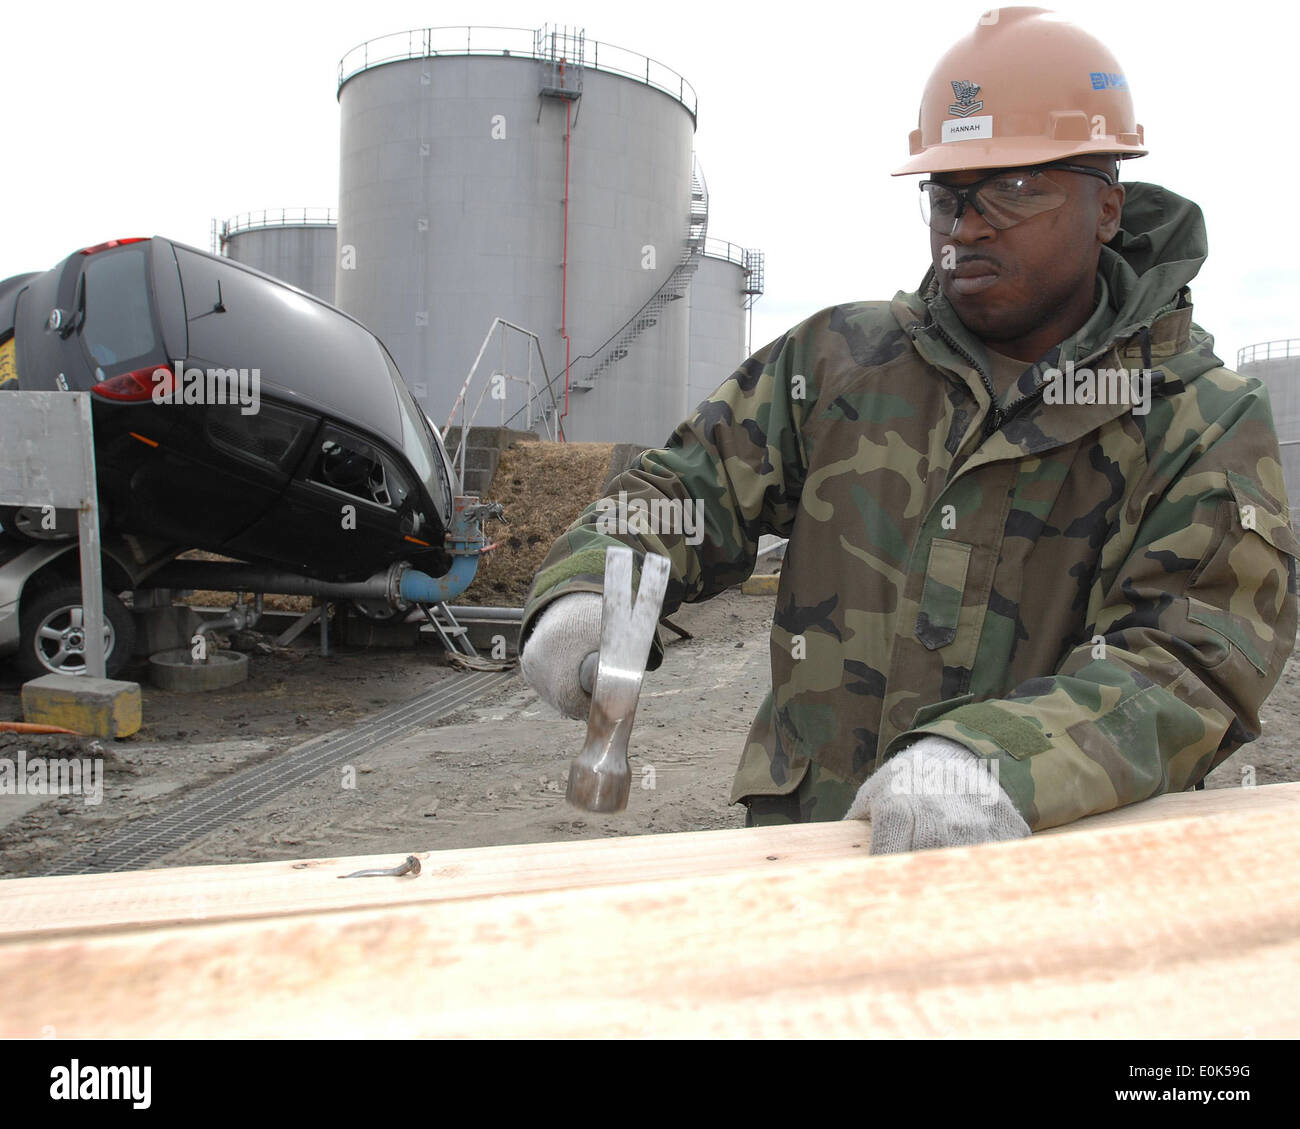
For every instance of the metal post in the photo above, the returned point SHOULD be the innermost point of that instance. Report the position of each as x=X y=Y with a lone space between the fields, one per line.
x=92 y=594
x=324 y=628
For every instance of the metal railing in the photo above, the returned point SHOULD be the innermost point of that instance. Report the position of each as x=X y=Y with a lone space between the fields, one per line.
x=561 y=50
x=498 y=378
x=728 y=252
x=279 y=217
x=747 y=258
x=1269 y=351
x=428 y=42
x=699 y=228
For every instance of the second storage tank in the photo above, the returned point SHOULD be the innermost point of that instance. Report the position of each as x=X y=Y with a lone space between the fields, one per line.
x=296 y=245
x=1277 y=364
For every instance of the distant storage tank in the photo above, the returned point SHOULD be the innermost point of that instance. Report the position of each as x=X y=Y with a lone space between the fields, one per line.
x=1277 y=364
x=296 y=245
x=534 y=176
x=727 y=282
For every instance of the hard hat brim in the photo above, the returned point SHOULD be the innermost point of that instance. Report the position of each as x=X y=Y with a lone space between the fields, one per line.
x=1007 y=153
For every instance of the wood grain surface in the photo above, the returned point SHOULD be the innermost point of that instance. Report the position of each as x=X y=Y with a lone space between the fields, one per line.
x=1181 y=925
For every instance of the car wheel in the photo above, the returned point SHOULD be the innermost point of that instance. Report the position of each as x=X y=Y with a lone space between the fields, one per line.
x=27 y=525
x=53 y=637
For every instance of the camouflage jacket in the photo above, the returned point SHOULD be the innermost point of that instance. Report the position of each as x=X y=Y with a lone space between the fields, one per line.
x=1100 y=597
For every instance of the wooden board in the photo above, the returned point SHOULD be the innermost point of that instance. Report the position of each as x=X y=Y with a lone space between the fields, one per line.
x=184 y=895
x=1180 y=805
x=181 y=895
x=1185 y=927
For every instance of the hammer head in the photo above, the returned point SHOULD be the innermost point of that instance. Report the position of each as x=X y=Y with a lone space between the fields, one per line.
x=600 y=779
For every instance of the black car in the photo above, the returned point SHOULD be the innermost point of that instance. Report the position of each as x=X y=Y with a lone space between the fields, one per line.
x=232 y=412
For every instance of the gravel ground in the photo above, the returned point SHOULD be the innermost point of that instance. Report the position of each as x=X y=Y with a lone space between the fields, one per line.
x=492 y=773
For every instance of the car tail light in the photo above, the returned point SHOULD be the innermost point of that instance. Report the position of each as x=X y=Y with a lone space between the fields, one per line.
x=136 y=386
x=113 y=243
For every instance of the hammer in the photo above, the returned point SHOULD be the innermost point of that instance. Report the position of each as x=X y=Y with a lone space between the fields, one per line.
x=600 y=780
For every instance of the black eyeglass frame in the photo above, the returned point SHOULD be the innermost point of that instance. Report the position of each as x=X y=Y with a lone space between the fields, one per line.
x=966 y=194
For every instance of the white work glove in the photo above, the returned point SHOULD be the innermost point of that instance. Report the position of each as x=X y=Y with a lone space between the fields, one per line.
x=935 y=793
x=566 y=632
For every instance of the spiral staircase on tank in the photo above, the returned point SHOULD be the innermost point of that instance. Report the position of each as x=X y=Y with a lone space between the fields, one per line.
x=673 y=288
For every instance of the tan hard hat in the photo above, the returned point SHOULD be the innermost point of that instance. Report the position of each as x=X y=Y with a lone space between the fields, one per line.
x=1025 y=87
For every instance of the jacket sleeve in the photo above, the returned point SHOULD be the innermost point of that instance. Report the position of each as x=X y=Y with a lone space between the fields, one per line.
x=1188 y=633
x=727 y=475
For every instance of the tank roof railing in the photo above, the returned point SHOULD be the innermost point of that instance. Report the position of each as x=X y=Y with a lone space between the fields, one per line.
x=279 y=217
x=428 y=42
x=729 y=252
x=1269 y=351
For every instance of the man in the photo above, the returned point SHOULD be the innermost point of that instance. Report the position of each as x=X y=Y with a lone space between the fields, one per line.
x=1040 y=563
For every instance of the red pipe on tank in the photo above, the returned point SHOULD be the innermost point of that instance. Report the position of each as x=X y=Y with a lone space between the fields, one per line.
x=564 y=267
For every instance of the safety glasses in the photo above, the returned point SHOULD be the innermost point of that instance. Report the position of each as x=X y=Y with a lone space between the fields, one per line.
x=1003 y=198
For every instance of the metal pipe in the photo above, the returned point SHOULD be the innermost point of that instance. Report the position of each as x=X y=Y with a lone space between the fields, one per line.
x=487 y=615
x=421 y=588
x=564 y=261
x=397 y=583
x=233 y=576
x=238 y=618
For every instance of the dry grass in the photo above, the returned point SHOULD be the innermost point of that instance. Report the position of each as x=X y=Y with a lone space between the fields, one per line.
x=543 y=487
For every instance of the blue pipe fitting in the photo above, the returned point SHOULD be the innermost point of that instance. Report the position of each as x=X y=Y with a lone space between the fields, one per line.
x=464 y=543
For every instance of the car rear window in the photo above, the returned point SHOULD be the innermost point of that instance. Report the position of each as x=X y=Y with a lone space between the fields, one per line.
x=119 y=325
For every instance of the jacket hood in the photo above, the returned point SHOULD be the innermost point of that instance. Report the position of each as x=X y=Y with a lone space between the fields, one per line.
x=1159 y=248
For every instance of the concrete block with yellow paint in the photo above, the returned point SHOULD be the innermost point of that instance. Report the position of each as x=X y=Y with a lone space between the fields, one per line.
x=98 y=707
x=761 y=585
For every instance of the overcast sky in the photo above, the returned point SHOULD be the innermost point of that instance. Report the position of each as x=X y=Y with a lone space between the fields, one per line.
x=138 y=119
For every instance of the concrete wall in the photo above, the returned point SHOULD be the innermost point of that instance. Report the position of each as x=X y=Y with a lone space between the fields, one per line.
x=718 y=324
x=1281 y=376
x=303 y=255
x=448 y=226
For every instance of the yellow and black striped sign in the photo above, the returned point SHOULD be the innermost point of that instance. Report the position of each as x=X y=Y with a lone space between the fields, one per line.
x=8 y=365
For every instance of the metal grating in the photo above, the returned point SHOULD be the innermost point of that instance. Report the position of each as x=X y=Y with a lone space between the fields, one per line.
x=148 y=840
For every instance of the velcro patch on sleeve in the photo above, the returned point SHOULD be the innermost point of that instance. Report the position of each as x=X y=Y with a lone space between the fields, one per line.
x=1018 y=737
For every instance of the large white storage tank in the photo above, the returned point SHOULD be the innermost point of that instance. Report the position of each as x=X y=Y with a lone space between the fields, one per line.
x=727 y=281
x=1277 y=364
x=296 y=245
x=535 y=176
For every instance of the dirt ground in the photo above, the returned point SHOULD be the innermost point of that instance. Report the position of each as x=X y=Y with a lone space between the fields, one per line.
x=492 y=773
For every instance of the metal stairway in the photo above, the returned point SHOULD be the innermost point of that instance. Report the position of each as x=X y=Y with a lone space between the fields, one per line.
x=454 y=636
x=674 y=287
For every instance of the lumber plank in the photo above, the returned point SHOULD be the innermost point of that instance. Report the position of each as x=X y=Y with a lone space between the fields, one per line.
x=179 y=895
x=1180 y=805
x=1196 y=935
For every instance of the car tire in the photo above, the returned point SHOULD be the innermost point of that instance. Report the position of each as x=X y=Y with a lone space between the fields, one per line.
x=49 y=622
x=21 y=525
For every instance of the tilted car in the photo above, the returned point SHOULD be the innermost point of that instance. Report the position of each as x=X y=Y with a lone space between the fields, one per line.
x=232 y=413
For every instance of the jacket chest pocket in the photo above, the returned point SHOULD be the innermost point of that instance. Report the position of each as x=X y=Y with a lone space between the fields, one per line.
x=941 y=597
